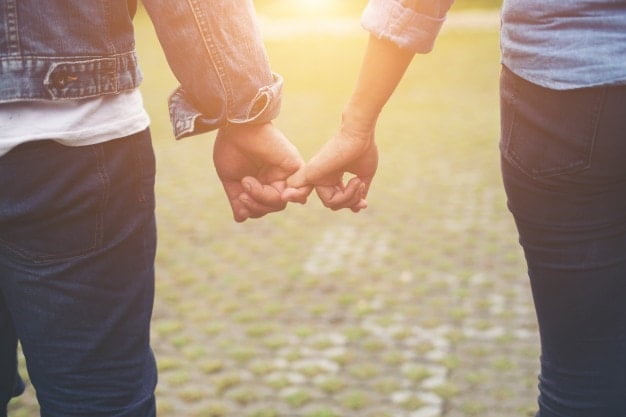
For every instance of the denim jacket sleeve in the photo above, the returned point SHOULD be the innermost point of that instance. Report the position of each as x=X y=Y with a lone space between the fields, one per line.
x=410 y=24
x=214 y=48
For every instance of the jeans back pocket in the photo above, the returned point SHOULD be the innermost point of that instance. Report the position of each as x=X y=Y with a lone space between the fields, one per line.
x=548 y=132
x=52 y=199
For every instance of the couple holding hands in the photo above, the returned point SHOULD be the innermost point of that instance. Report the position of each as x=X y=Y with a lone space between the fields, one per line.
x=262 y=171
x=77 y=224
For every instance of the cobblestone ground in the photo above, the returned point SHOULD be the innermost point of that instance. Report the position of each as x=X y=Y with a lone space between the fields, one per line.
x=418 y=307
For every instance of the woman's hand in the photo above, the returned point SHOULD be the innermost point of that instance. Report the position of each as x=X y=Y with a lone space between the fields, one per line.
x=352 y=149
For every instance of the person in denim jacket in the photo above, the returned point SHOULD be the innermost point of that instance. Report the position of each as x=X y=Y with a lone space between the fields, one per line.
x=77 y=229
x=563 y=147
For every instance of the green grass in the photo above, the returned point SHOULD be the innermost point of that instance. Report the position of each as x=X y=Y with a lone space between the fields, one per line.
x=236 y=312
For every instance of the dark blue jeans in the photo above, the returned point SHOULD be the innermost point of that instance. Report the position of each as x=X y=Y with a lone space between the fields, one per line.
x=564 y=170
x=77 y=244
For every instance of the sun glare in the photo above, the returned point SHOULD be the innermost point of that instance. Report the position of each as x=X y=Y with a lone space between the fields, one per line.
x=314 y=6
x=310 y=8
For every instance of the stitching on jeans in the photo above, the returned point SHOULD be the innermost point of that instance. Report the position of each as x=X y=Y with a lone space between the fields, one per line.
x=15 y=250
x=575 y=166
x=507 y=137
x=98 y=234
x=139 y=169
x=596 y=121
x=98 y=151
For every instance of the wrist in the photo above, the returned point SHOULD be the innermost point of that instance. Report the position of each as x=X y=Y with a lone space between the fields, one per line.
x=358 y=121
x=361 y=112
x=244 y=128
x=243 y=134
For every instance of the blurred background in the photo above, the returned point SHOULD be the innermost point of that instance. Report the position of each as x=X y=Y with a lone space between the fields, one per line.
x=346 y=7
x=417 y=307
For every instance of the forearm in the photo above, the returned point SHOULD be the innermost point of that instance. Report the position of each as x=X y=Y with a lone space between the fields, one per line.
x=215 y=50
x=399 y=30
x=383 y=67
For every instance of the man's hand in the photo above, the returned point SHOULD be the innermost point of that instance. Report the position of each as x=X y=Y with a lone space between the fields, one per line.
x=350 y=150
x=253 y=162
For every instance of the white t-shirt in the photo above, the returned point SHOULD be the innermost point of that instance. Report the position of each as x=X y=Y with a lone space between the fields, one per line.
x=72 y=122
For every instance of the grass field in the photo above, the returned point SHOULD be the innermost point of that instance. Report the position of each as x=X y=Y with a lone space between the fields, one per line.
x=416 y=307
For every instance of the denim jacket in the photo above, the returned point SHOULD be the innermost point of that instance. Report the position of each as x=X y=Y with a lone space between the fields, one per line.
x=73 y=49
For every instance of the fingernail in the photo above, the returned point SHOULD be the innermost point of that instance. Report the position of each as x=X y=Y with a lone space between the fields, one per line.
x=247 y=186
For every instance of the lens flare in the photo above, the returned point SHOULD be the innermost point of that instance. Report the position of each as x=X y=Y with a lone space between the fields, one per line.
x=314 y=6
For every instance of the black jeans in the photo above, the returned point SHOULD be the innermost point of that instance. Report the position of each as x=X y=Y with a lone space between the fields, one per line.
x=77 y=243
x=564 y=170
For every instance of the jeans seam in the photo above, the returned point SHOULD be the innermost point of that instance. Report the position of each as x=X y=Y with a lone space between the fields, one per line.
x=509 y=154
x=596 y=120
x=140 y=169
x=98 y=151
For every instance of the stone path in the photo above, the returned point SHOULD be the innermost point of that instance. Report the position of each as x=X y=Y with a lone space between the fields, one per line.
x=350 y=320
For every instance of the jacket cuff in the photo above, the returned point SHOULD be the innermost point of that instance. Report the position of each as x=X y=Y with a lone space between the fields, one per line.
x=187 y=120
x=405 y=27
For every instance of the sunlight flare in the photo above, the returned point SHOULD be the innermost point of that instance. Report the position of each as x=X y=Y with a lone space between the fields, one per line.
x=314 y=6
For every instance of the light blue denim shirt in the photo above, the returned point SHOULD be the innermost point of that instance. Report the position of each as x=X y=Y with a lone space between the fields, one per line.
x=565 y=44
x=558 y=44
x=410 y=24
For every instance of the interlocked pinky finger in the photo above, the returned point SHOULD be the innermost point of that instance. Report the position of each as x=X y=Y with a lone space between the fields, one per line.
x=342 y=197
x=361 y=205
x=255 y=208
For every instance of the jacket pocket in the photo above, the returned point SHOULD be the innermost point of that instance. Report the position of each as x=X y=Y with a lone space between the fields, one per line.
x=548 y=132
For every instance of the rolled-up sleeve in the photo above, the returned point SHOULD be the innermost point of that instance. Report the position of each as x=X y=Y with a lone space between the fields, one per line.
x=215 y=50
x=410 y=24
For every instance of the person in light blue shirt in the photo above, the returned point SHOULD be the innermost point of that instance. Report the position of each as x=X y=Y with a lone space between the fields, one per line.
x=563 y=147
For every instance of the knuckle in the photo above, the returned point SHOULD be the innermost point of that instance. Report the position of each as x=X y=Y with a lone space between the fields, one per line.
x=290 y=163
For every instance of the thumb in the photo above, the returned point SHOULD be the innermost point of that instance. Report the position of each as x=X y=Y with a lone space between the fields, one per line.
x=297 y=188
x=333 y=159
x=298 y=178
x=233 y=190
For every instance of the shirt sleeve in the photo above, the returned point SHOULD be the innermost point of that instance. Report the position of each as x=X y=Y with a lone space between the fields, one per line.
x=215 y=50
x=410 y=24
